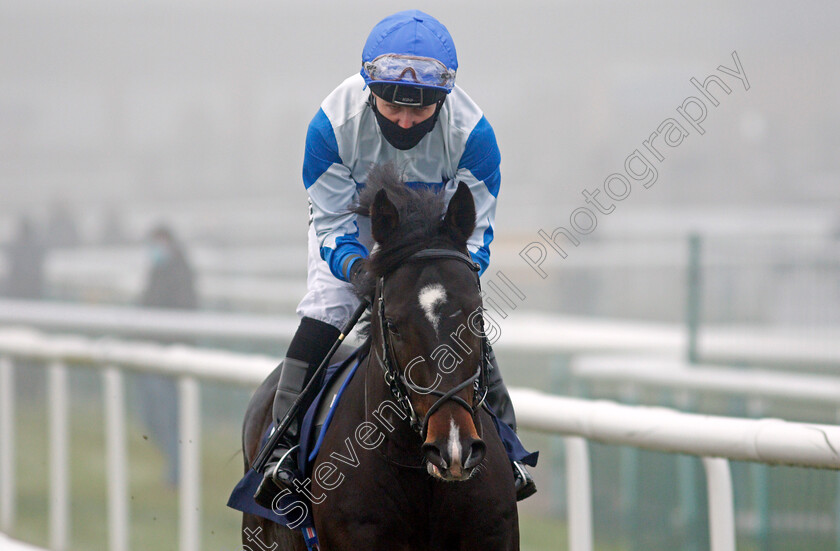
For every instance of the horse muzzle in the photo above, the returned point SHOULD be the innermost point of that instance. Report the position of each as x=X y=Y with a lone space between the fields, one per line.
x=453 y=459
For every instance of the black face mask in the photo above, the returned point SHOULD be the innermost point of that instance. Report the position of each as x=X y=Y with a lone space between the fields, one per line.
x=404 y=138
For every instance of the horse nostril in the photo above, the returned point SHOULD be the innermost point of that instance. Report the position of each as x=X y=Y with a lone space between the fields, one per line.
x=477 y=450
x=433 y=454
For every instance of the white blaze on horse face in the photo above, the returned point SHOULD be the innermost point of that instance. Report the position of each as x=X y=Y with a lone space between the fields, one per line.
x=454 y=444
x=430 y=297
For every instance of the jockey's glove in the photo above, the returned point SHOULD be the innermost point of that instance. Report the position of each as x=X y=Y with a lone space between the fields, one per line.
x=357 y=272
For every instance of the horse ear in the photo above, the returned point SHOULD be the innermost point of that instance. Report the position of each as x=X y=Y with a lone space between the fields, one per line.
x=384 y=218
x=460 y=215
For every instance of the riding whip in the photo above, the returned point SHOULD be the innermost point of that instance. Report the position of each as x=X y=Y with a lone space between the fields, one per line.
x=311 y=386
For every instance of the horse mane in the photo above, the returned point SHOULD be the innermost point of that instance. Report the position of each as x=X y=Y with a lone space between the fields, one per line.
x=421 y=211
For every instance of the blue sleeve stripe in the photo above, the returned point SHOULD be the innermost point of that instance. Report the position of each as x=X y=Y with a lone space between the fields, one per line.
x=481 y=156
x=482 y=255
x=321 y=150
x=345 y=247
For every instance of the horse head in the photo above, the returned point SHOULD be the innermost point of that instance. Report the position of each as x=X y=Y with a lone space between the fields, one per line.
x=428 y=306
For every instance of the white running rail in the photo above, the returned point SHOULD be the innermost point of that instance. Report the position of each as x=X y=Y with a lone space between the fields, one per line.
x=814 y=349
x=656 y=372
x=188 y=365
x=716 y=439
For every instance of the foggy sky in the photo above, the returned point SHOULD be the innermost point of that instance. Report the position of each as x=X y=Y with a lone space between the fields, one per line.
x=123 y=103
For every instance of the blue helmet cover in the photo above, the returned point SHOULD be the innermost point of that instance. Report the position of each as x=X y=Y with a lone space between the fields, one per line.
x=411 y=33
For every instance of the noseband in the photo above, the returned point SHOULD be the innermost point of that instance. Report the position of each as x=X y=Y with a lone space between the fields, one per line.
x=395 y=377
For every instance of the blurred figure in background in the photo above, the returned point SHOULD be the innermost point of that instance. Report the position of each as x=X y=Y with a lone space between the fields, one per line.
x=170 y=284
x=26 y=263
x=171 y=280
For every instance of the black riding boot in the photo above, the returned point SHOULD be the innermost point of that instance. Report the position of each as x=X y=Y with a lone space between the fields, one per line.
x=499 y=401
x=279 y=469
x=307 y=350
x=497 y=394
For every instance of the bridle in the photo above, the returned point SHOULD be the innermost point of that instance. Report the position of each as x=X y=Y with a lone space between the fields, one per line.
x=397 y=381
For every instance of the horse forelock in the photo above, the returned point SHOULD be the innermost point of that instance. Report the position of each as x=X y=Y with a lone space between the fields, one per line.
x=421 y=213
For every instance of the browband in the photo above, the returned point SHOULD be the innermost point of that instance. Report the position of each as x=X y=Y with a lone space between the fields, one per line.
x=436 y=254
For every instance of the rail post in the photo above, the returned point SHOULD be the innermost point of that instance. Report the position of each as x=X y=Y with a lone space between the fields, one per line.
x=721 y=509
x=560 y=385
x=59 y=451
x=7 y=444
x=579 y=494
x=628 y=477
x=690 y=520
x=190 y=464
x=117 y=457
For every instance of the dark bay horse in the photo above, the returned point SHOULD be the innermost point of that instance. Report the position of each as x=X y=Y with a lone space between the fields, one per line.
x=411 y=460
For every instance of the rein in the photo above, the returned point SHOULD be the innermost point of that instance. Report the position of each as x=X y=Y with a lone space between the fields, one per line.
x=399 y=384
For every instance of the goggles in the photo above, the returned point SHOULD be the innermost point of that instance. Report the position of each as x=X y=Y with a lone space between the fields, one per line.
x=411 y=70
x=411 y=96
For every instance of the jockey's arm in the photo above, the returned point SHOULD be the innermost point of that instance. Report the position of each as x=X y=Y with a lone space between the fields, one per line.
x=331 y=190
x=479 y=169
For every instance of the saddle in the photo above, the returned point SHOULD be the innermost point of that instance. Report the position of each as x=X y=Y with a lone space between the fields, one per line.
x=294 y=509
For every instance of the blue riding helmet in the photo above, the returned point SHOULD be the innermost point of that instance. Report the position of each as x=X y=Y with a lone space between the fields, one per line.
x=410 y=59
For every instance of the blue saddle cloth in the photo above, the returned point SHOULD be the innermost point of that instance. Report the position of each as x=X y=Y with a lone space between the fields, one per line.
x=294 y=509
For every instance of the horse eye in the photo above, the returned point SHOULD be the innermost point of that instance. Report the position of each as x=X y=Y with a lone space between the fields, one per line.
x=392 y=327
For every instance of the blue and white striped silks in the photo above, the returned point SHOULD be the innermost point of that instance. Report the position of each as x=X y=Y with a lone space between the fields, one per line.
x=344 y=141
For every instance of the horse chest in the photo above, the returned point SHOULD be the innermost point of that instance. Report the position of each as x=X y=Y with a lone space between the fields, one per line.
x=387 y=507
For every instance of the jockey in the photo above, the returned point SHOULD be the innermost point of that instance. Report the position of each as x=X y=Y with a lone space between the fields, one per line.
x=402 y=107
